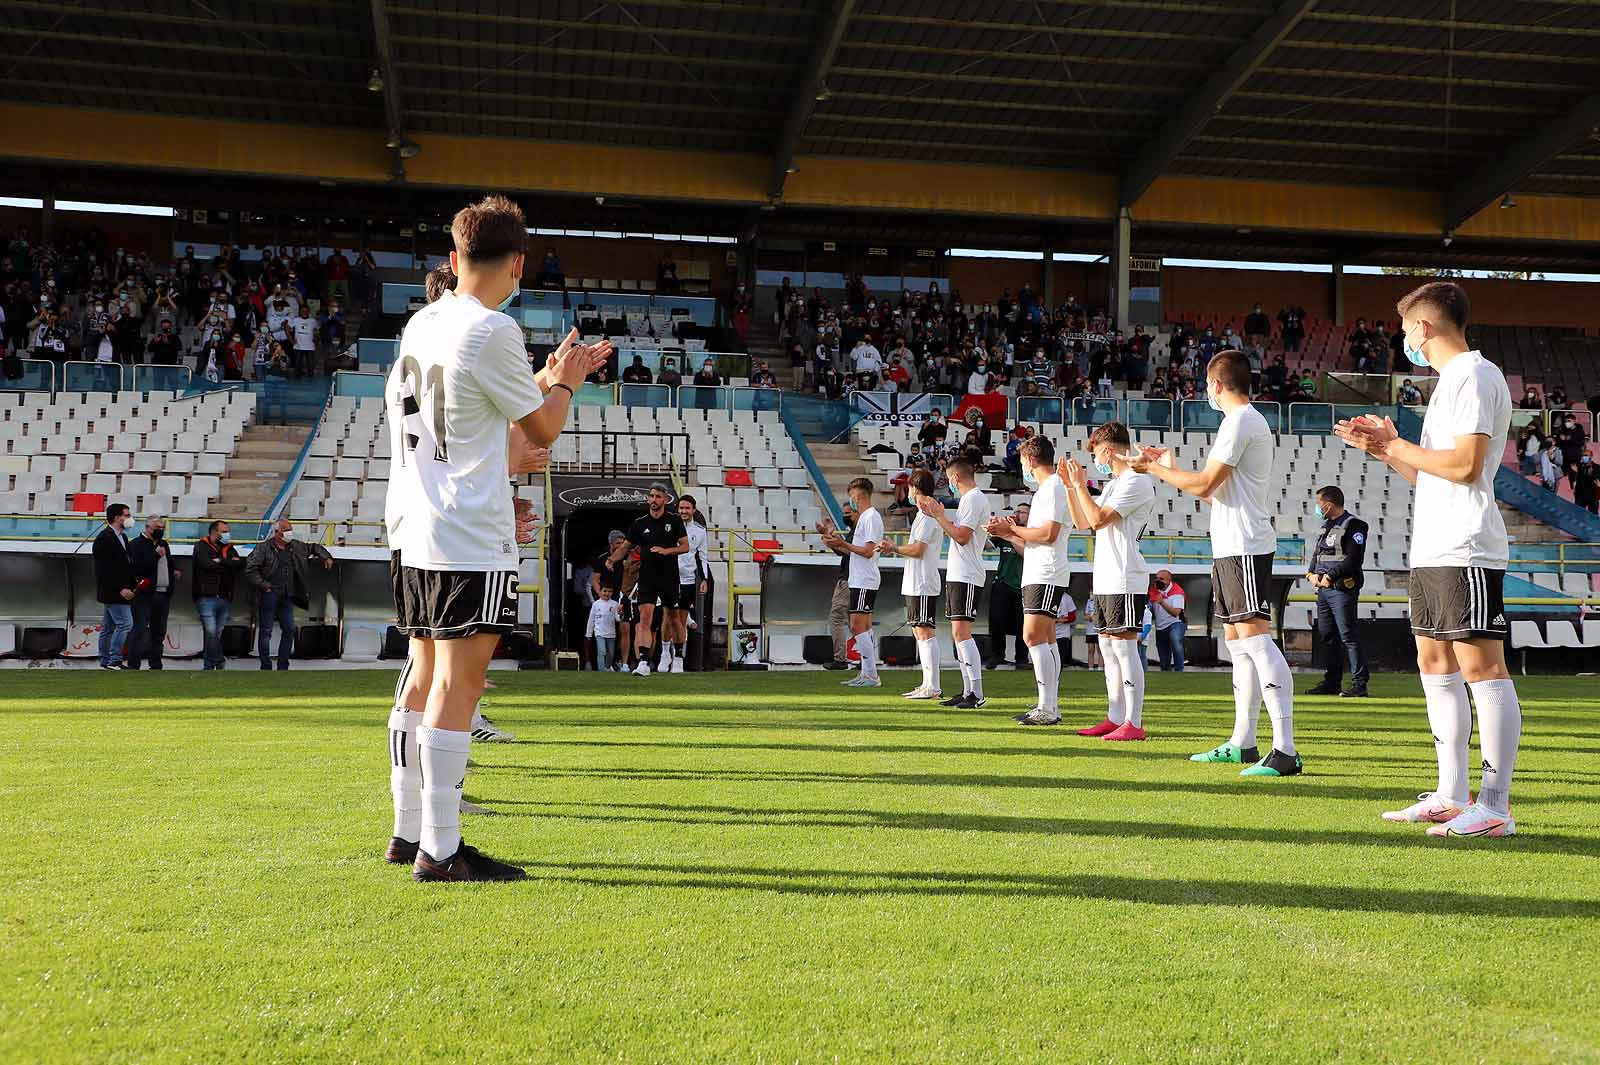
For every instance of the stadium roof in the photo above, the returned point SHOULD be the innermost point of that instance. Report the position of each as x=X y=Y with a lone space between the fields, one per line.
x=1306 y=116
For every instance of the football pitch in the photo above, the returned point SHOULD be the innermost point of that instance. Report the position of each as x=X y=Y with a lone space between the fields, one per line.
x=768 y=867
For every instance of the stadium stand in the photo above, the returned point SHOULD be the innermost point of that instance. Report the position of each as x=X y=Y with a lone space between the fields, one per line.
x=161 y=453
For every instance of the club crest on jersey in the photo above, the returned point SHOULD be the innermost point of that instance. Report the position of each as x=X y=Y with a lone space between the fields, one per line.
x=1359 y=538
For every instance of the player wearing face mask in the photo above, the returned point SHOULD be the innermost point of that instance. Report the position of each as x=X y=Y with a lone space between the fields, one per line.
x=1235 y=482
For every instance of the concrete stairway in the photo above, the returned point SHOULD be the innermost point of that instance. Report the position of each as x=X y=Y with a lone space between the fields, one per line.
x=258 y=469
x=843 y=463
x=1523 y=528
x=764 y=345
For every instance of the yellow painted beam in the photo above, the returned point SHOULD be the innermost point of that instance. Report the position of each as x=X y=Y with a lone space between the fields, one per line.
x=950 y=188
x=587 y=169
x=166 y=142
x=169 y=142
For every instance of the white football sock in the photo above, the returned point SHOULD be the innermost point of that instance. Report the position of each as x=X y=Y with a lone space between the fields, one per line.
x=1499 y=733
x=968 y=651
x=1112 y=665
x=1246 y=696
x=444 y=770
x=405 y=773
x=1127 y=652
x=1277 y=688
x=928 y=655
x=1450 y=718
x=1047 y=674
x=869 y=655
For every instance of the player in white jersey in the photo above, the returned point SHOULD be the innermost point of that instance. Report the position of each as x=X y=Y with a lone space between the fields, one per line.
x=1121 y=579
x=964 y=574
x=1459 y=552
x=863 y=577
x=920 y=583
x=1235 y=482
x=460 y=379
x=1045 y=572
x=692 y=572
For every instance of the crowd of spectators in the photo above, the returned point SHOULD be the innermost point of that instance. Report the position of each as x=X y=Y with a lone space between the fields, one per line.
x=233 y=316
x=1016 y=346
x=1562 y=453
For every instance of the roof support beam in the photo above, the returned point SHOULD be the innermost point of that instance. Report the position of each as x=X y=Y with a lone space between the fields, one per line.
x=1159 y=152
x=813 y=83
x=1496 y=176
x=394 y=115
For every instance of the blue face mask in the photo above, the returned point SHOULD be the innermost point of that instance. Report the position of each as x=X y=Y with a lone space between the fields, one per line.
x=1414 y=354
x=1316 y=512
x=226 y=538
x=1102 y=469
x=507 y=301
x=1028 y=478
x=1211 y=401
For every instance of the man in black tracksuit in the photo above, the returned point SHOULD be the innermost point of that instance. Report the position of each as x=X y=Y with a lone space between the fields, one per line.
x=1335 y=571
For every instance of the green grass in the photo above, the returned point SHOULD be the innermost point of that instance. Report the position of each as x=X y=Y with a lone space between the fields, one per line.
x=766 y=868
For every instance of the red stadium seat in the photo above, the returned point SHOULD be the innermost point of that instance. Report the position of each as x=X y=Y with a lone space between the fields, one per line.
x=88 y=503
x=763 y=550
x=737 y=479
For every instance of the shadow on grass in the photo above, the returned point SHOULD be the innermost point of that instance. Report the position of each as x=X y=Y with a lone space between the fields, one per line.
x=1009 y=824
x=845 y=882
x=1300 y=789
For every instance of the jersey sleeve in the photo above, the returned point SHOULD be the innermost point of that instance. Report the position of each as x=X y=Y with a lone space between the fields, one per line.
x=636 y=532
x=504 y=374
x=931 y=532
x=1229 y=446
x=1057 y=499
x=1470 y=408
x=1123 y=495
x=871 y=528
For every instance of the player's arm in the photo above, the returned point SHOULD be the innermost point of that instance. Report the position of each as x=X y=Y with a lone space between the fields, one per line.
x=681 y=549
x=911 y=549
x=1041 y=534
x=961 y=534
x=1203 y=483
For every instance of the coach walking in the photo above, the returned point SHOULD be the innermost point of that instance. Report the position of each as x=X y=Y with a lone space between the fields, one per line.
x=114 y=583
x=278 y=570
x=1336 y=572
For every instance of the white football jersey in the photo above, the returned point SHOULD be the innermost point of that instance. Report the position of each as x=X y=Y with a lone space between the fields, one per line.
x=1119 y=567
x=461 y=376
x=869 y=530
x=1048 y=563
x=1460 y=524
x=921 y=576
x=692 y=566
x=1240 y=521
x=965 y=563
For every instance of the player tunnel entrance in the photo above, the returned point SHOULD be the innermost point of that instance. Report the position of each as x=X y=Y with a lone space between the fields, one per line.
x=585 y=510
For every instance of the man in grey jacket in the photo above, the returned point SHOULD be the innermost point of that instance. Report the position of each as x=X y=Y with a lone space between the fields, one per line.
x=278 y=570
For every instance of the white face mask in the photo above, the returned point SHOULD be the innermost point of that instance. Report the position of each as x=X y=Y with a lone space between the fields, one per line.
x=287 y=534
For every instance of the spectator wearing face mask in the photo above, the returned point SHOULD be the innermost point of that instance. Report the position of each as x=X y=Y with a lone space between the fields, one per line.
x=217 y=564
x=1410 y=394
x=154 y=576
x=637 y=373
x=1550 y=466
x=1256 y=329
x=978 y=380
x=669 y=374
x=279 y=570
x=1291 y=325
x=114 y=584
x=1530 y=399
x=1586 y=483
x=763 y=377
x=336 y=276
x=303 y=328
x=705 y=380
x=897 y=375
x=1570 y=435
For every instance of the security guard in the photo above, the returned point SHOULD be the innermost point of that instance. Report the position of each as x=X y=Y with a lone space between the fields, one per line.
x=1336 y=573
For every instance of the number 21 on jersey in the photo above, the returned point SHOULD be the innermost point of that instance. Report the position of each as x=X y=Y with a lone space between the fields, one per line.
x=418 y=395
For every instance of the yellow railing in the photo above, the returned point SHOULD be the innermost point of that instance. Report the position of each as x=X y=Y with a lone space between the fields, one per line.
x=1510 y=600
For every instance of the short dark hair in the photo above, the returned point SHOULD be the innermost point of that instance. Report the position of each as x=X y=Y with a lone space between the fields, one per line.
x=961 y=465
x=1332 y=493
x=860 y=484
x=687 y=498
x=922 y=481
x=115 y=509
x=1110 y=433
x=489 y=230
x=1232 y=371
x=1449 y=298
x=211 y=530
x=441 y=279
x=1038 y=448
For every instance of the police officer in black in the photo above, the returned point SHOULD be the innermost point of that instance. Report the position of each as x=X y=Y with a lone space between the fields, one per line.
x=1335 y=571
